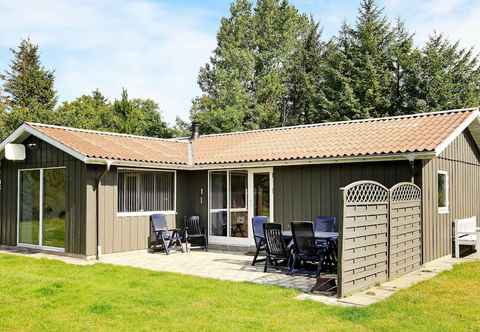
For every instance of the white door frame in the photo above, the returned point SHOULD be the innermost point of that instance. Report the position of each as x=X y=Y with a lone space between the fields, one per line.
x=40 y=213
x=238 y=241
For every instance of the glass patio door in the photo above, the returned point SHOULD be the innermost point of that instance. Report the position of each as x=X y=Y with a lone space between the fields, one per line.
x=239 y=204
x=41 y=208
x=29 y=207
x=235 y=197
x=54 y=212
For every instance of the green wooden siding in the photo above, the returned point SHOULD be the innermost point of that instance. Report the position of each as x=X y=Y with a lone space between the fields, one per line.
x=461 y=159
x=124 y=233
x=304 y=192
x=43 y=156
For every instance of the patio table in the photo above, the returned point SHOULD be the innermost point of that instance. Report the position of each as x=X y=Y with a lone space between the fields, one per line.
x=330 y=237
x=318 y=235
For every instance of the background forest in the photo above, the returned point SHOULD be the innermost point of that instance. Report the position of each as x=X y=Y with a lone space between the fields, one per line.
x=271 y=67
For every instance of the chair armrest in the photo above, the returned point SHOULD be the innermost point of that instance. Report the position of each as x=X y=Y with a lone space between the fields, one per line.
x=467 y=233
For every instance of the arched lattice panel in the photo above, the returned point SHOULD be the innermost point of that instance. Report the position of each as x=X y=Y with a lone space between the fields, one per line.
x=363 y=242
x=405 y=229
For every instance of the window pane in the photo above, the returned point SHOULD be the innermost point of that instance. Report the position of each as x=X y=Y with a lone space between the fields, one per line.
x=261 y=190
x=54 y=208
x=238 y=187
x=145 y=191
x=239 y=224
x=149 y=201
x=219 y=190
x=29 y=221
x=164 y=183
x=442 y=190
x=219 y=223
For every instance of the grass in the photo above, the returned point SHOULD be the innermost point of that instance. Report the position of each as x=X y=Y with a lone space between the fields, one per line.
x=53 y=232
x=47 y=295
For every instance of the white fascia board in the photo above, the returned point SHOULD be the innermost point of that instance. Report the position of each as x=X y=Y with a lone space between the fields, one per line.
x=318 y=161
x=137 y=164
x=457 y=132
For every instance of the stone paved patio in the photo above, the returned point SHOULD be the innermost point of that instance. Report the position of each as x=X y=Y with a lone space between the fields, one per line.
x=216 y=265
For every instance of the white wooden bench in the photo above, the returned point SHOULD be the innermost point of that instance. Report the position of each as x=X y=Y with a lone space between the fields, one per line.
x=467 y=233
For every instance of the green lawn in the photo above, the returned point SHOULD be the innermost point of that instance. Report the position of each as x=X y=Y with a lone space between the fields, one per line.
x=46 y=295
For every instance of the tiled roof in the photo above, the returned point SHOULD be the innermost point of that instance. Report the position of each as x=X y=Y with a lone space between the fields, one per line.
x=112 y=146
x=373 y=137
x=393 y=135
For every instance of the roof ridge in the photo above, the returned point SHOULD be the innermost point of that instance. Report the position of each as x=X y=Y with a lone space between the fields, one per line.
x=105 y=133
x=336 y=123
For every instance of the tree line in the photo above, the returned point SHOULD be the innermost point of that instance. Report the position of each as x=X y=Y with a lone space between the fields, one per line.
x=28 y=95
x=271 y=68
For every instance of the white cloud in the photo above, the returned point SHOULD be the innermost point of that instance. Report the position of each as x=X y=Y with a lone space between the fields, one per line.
x=457 y=19
x=152 y=49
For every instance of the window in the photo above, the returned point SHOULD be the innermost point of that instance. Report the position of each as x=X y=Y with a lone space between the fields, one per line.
x=442 y=191
x=146 y=191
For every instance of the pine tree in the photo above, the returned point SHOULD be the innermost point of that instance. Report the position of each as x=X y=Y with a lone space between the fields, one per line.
x=305 y=84
x=404 y=59
x=361 y=67
x=27 y=83
x=448 y=76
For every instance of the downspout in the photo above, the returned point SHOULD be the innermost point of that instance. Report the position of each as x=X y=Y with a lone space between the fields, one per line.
x=97 y=212
x=411 y=160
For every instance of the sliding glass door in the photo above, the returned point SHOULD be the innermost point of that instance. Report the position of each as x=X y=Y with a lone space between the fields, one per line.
x=41 y=208
x=29 y=211
x=235 y=197
x=218 y=204
x=53 y=216
x=238 y=204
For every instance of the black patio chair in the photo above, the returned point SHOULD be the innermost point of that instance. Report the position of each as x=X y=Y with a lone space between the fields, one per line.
x=305 y=248
x=276 y=249
x=258 y=236
x=327 y=224
x=195 y=234
x=160 y=236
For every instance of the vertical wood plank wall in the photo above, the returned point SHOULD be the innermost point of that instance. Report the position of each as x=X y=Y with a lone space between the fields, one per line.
x=461 y=160
x=45 y=155
x=125 y=233
x=304 y=192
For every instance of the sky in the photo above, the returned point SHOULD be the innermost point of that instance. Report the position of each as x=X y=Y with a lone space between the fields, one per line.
x=155 y=48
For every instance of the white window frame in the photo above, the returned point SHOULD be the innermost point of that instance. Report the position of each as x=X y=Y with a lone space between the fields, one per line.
x=443 y=209
x=40 y=214
x=238 y=241
x=149 y=213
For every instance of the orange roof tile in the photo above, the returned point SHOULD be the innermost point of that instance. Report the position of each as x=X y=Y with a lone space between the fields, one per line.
x=113 y=146
x=384 y=136
x=393 y=135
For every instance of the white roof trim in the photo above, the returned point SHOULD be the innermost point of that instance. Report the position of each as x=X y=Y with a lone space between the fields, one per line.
x=458 y=131
x=25 y=128
x=319 y=161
